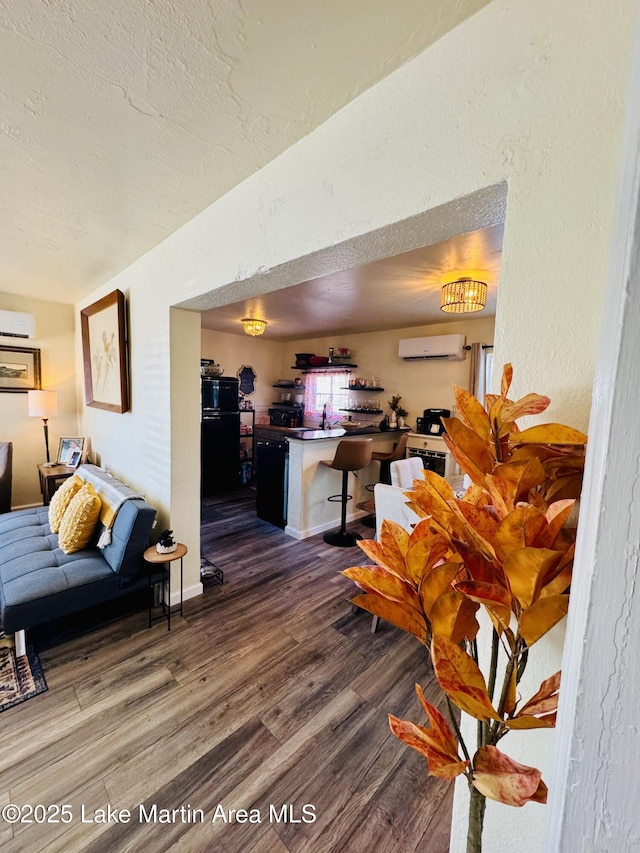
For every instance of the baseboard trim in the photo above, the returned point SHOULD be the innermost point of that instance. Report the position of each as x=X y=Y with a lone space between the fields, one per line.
x=322 y=528
x=192 y=591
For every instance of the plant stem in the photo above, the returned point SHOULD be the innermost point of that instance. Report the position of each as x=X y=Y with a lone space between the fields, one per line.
x=456 y=728
x=493 y=666
x=477 y=803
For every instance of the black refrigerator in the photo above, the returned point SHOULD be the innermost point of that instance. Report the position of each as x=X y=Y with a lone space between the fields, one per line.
x=220 y=436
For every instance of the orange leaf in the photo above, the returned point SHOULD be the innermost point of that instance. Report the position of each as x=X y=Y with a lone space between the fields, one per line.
x=472 y=413
x=528 y=722
x=501 y=778
x=479 y=569
x=390 y=551
x=400 y=615
x=525 y=569
x=423 y=554
x=511 y=699
x=557 y=516
x=438 y=723
x=562 y=579
x=454 y=616
x=521 y=476
x=546 y=699
x=536 y=620
x=394 y=540
x=494 y=597
x=505 y=382
x=530 y=404
x=442 y=764
x=482 y=522
x=551 y=434
x=436 y=583
x=519 y=529
x=471 y=452
x=382 y=582
x=461 y=679
x=500 y=498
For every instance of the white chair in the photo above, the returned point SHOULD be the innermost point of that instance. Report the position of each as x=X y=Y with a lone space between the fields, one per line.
x=405 y=471
x=391 y=503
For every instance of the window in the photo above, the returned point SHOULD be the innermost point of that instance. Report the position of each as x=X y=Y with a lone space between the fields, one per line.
x=488 y=369
x=326 y=387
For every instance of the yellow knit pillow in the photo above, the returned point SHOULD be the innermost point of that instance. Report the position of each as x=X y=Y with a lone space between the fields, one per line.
x=79 y=521
x=61 y=500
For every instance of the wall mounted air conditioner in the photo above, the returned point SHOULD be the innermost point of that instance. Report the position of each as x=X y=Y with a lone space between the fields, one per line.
x=14 y=324
x=450 y=347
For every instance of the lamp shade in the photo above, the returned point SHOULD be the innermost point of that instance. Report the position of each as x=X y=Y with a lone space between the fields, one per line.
x=463 y=296
x=42 y=404
x=253 y=327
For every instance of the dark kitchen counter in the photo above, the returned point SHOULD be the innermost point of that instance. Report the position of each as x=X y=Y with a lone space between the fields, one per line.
x=310 y=434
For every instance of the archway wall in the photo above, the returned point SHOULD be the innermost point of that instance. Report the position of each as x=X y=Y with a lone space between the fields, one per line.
x=528 y=97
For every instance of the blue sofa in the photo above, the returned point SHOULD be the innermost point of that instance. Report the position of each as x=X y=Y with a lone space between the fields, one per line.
x=38 y=582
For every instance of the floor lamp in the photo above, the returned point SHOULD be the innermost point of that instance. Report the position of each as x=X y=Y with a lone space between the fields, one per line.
x=43 y=404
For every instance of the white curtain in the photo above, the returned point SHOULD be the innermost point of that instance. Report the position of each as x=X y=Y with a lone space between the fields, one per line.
x=328 y=387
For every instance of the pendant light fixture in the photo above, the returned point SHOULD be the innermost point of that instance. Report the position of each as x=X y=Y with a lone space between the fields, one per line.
x=463 y=296
x=253 y=327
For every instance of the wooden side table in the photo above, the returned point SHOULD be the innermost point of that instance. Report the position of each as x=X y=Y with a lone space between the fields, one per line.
x=49 y=477
x=152 y=557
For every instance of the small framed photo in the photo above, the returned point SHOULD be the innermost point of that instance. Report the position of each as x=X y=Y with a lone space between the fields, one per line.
x=70 y=451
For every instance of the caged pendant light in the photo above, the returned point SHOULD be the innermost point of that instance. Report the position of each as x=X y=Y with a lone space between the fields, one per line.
x=463 y=296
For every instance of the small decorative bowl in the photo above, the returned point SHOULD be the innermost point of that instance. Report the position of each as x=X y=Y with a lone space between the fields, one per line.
x=212 y=370
x=350 y=425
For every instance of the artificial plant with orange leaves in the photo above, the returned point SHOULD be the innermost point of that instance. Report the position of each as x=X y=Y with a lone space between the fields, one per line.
x=507 y=546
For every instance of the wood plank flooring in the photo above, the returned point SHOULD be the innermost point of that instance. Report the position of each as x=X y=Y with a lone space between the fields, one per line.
x=269 y=695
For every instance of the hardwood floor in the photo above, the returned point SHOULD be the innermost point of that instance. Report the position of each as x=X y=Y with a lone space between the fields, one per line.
x=269 y=694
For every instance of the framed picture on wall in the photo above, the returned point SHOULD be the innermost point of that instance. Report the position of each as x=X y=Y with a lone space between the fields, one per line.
x=104 y=353
x=19 y=369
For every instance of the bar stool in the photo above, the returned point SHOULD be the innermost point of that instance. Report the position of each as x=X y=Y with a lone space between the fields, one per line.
x=385 y=459
x=351 y=455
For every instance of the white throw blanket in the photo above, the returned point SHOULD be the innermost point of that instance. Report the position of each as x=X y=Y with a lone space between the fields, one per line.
x=111 y=492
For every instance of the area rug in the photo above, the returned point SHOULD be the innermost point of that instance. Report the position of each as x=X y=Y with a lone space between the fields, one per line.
x=20 y=678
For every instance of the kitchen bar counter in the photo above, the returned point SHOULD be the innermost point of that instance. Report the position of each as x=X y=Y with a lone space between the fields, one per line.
x=310 y=434
x=310 y=483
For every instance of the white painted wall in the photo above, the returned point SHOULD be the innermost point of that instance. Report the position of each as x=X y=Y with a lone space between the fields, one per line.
x=421 y=384
x=596 y=753
x=55 y=327
x=531 y=94
x=265 y=356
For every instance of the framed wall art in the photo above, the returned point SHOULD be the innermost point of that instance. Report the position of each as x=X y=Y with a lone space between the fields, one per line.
x=104 y=353
x=19 y=369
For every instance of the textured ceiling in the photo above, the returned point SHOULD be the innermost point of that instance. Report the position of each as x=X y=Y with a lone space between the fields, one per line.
x=393 y=293
x=120 y=121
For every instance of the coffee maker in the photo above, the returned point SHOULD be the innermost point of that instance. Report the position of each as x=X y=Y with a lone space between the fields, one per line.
x=431 y=421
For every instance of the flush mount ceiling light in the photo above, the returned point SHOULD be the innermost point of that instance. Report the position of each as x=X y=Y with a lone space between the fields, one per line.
x=463 y=296
x=253 y=327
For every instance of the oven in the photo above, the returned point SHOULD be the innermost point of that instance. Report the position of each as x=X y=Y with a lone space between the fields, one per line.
x=433 y=453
